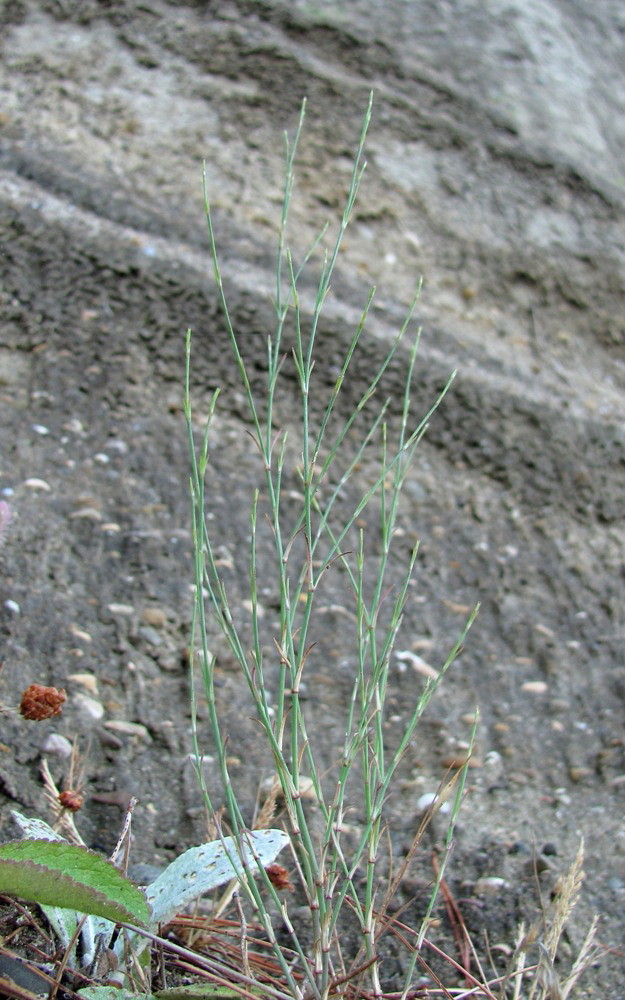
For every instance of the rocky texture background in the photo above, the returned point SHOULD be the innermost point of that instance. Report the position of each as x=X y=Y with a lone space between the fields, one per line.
x=495 y=171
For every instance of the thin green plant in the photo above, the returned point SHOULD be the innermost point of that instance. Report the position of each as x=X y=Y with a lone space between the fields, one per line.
x=306 y=548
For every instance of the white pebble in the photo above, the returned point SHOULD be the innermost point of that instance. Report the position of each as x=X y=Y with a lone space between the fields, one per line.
x=116 y=444
x=535 y=687
x=55 y=743
x=80 y=633
x=417 y=662
x=89 y=707
x=101 y=458
x=121 y=609
x=37 y=484
x=12 y=606
x=88 y=681
x=40 y=429
x=74 y=425
x=427 y=800
x=490 y=885
x=544 y=630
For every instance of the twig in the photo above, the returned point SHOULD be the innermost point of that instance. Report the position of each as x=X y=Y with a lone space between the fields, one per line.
x=455 y=918
x=243 y=935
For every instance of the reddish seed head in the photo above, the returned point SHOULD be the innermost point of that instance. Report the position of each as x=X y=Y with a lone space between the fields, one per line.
x=279 y=877
x=71 y=800
x=39 y=702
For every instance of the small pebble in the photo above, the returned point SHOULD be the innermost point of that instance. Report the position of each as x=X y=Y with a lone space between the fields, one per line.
x=459 y=760
x=40 y=429
x=517 y=777
x=121 y=609
x=150 y=635
x=493 y=766
x=37 y=484
x=116 y=444
x=561 y=797
x=422 y=643
x=544 y=630
x=457 y=609
x=80 y=633
x=490 y=885
x=13 y=606
x=417 y=663
x=154 y=616
x=109 y=740
x=307 y=788
x=85 y=514
x=74 y=425
x=427 y=800
x=88 y=707
x=535 y=687
x=88 y=681
x=172 y=662
x=101 y=457
x=55 y=743
x=128 y=729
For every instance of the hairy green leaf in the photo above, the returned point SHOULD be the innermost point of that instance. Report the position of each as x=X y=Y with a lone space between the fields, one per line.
x=59 y=874
x=113 y=993
x=203 y=868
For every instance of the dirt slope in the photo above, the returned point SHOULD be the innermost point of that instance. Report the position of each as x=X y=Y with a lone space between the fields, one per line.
x=495 y=171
